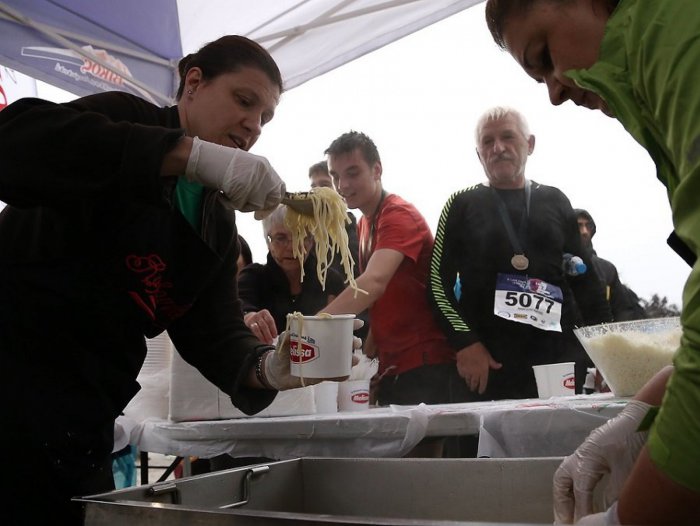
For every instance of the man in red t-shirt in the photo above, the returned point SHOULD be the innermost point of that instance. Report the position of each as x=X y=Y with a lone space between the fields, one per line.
x=416 y=364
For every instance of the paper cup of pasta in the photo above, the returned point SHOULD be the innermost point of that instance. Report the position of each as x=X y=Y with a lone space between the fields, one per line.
x=321 y=346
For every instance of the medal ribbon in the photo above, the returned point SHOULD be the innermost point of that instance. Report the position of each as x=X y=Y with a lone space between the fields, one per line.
x=367 y=243
x=516 y=241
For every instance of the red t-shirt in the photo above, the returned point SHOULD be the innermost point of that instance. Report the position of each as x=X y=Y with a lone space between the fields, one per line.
x=401 y=320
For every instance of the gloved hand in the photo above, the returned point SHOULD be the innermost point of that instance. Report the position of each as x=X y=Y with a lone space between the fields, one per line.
x=247 y=180
x=611 y=448
x=276 y=363
x=606 y=518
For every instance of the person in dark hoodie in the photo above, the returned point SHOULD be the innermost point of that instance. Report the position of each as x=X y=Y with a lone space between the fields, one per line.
x=624 y=303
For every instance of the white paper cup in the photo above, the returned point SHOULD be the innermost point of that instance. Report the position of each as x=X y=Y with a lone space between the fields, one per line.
x=555 y=379
x=353 y=395
x=324 y=347
x=326 y=397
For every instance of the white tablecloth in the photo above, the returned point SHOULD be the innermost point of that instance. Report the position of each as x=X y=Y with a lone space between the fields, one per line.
x=506 y=428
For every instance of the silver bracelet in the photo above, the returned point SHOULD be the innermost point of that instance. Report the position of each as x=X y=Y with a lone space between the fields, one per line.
x=260 y=370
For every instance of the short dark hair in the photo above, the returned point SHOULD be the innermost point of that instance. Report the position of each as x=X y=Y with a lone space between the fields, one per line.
x=229 y=54
x=497 y=13
x=351 y=141
x=321 y=166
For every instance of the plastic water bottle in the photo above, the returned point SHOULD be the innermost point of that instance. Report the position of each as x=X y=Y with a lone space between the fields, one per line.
x=573 y=265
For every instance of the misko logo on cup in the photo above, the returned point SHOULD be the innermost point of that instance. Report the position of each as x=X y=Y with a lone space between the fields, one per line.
x=305 y=353
x=569 y=382
x=360 y=397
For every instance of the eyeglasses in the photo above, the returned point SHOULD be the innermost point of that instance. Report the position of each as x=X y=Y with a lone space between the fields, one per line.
x=283 y=240
x=280 y=240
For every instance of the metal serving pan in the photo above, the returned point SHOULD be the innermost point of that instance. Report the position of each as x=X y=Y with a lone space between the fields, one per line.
x=341 y=491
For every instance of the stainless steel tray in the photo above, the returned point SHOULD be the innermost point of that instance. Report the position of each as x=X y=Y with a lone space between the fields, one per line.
x=341 y=491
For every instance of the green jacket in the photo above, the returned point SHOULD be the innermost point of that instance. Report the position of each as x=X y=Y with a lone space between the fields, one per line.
x=649 y=74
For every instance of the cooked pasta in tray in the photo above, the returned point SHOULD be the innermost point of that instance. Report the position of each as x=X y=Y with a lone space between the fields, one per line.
x=327 y=227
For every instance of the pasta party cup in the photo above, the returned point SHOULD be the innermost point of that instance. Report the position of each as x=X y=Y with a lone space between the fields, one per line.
x=321 y=346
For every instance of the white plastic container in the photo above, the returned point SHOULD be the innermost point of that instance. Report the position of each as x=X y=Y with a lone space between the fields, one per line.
x=629 y=353
x=321 y=346
x=555 y=379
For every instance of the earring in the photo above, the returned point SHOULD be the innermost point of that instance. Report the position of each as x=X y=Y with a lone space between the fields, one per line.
x=189 y=92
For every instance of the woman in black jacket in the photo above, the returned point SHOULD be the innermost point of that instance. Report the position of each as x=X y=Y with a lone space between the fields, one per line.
x=119 y=225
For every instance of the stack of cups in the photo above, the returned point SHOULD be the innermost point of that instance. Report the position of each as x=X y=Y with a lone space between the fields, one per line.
x=353 y=394
x=326 y=397
x=153 y=398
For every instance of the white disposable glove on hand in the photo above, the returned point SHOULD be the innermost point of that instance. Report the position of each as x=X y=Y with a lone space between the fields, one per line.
x=611 y=448
x=247 y=180
x=276 y=363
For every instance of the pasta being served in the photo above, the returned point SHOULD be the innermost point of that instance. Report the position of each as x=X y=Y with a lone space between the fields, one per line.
x=327 y=227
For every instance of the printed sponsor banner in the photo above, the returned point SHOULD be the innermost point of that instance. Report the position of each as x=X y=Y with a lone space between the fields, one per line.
x=80 y=69
x=14 y=86
x=88 y=69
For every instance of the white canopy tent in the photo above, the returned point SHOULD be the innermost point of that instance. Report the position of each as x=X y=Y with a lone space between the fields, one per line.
x=86 y=46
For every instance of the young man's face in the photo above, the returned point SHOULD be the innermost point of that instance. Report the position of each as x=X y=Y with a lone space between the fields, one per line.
x=357 y=181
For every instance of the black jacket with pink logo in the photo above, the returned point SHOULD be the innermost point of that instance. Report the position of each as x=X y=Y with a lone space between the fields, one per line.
x=94 y=256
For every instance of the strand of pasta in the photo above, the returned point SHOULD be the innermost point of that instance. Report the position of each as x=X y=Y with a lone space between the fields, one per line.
x=327 y=227
x=299 y=317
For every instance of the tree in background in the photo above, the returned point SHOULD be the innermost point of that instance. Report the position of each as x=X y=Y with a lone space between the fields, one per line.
x=659 y=307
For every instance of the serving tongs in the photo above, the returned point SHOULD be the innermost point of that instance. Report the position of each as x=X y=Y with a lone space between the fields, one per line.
x=300 y=202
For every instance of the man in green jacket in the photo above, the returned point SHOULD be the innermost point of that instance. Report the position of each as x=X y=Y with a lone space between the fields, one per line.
x=638 y=61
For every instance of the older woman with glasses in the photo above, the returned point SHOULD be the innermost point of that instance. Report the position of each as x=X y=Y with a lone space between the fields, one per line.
x=270 y=291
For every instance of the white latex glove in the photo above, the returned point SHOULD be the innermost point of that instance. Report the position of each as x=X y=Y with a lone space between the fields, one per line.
x=611 y=448
x=247 y=180
x=277 y=363
x=606 y=518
